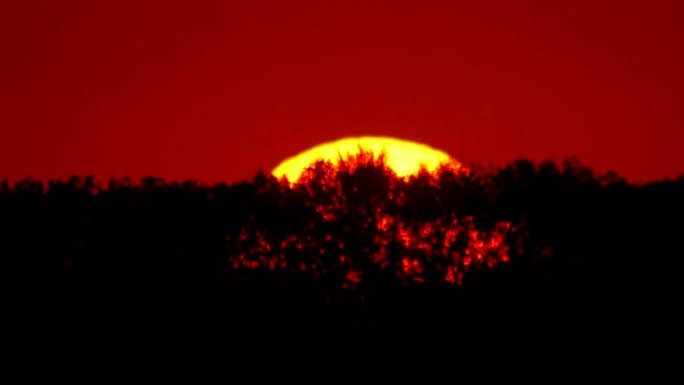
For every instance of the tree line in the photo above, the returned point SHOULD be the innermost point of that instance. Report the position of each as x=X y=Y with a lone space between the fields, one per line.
x=552 y=255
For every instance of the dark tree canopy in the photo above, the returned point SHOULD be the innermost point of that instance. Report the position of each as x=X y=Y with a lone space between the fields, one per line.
x=365 y=270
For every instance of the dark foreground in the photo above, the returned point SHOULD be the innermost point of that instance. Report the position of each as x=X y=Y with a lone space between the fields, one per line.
x=137 y=279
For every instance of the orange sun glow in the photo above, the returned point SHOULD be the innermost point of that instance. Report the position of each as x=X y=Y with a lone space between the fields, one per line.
x=404 y=157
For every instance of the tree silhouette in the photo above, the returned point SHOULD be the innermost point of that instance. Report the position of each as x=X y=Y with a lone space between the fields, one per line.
x=352 y=265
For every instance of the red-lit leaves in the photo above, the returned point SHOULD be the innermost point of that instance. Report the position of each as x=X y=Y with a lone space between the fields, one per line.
x=358 y=222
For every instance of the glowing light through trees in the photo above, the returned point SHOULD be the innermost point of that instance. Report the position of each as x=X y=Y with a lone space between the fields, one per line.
x=356 y=218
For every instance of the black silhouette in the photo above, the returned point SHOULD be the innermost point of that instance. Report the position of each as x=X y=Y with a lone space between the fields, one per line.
x=528 y=268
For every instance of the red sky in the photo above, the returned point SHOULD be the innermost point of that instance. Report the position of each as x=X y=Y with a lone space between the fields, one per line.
x=215 y=90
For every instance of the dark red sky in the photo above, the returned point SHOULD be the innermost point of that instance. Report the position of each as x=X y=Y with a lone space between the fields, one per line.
x=214 y=90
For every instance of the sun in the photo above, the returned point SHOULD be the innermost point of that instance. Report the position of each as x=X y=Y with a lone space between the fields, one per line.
x=404 y=157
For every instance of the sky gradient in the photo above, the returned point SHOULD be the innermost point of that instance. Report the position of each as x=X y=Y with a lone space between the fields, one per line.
x=215 y=90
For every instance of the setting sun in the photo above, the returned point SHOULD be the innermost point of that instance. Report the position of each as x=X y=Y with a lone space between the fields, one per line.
x=403 y=157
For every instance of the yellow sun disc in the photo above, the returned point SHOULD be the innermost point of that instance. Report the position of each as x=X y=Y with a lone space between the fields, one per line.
x=405 y=158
